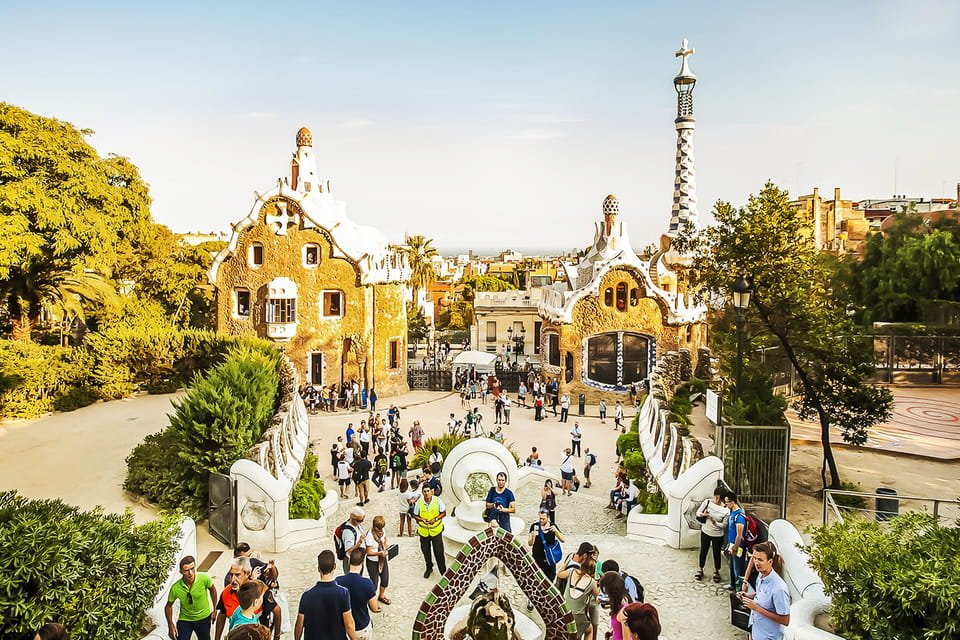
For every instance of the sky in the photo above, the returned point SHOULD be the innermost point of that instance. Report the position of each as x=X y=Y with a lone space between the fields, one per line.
x=497 y=124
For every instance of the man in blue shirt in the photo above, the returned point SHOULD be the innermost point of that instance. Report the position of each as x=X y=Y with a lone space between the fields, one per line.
x=363 y=595
x=500 y=503
x=736 y=528
x=324 y=612
x=350 y=433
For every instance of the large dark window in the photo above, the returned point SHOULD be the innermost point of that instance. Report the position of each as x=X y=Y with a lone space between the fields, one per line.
x=553 y=349
x=622 y=297
x=607 y=349
x=394 y=354
x=282 y=310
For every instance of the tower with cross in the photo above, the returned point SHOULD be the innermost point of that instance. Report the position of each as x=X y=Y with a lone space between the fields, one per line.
x=684 y=183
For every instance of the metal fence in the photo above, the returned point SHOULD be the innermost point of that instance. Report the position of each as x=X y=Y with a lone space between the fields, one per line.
x=916 y=359
x=885 y=504
x=755 y=462
x=430 y=379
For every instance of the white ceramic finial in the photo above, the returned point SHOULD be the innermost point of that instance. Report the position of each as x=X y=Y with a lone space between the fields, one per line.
x=685 y=52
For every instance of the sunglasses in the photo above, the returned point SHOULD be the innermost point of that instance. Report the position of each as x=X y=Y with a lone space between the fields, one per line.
x=189 y=597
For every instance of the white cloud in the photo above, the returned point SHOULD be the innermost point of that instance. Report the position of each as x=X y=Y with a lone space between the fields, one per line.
x=261 y=115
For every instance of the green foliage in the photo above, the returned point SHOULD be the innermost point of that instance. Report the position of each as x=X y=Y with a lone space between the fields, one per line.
x=417 y=327
x=888 y=581
x=795 y=304
x=473 y=284
x=35 y=379
x=64 y=210
x=758 y=404
x=628 y=442
x=222 y=416
x=634 y=464
x=420 y=253
x=915 y=260
x=445 y=445
x=308 y=491
x=850 y=502
x=652 y=502
x=94 y=573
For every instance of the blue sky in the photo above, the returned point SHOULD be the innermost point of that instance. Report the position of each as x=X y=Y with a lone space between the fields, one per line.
x=497 y=123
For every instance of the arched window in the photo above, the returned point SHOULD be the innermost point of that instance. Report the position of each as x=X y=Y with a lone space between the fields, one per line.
x=553 y=348
x=622 y=296
x=617 y=358
x=608 y=297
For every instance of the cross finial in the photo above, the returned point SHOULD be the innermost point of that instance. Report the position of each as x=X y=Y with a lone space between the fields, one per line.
x=684 y=50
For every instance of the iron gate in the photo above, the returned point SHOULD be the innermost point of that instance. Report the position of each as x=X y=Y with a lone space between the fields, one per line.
x=755 y=462
x=222 y=515
x=430 y=379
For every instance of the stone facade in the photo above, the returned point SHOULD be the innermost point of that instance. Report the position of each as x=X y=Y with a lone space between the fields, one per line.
x=331 y=293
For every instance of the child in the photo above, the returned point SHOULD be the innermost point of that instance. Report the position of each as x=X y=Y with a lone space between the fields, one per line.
x=250 y=597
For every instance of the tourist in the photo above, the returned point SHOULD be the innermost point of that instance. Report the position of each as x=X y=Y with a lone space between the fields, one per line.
x=538 y=408
x=736 y=549
x=237 y=575
x=197 y=593
x=361 y=478
x=249 y=600
x=548 y=500
x=352 y=536
x=629 y=499
x=405 y=506
x=363 y=595
x=619 y=490
x=498 y=434
x=373 y=400
x=464 y=396
x=468 y=424
x=522 y=395
x=614 y=591
x=250 y=632
x=435 y=460
x=506 y=408
x=257 y=566
x=576 y=434
x=343 y=475
x=580 y=592
x=497 y=410
x=380 y=469
x=378 y=558
x=603 y=411
x=336 y=449
x=416 y=435
x=473 y=389
x=429 y=512
x=364 y=439
x=452 y=424
x=575 y=559
x=554 y=397
x=355 y=388
x=533 y=460
x=631 y=584
x=564 y=408
x=398 y=462
x=713 y=517
x=544 y=533
x=566 y=471
x=500 y=503
x=324 y=610
x=52 y=631
x=618 y=418
x=350 y=433
x=393 y=415
x=430 y=480
x=589 y=463
x=770 y=605
x=639 y=621
x=478 y=421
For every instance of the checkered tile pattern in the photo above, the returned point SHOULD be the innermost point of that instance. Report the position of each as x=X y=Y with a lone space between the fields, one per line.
x=684 y=184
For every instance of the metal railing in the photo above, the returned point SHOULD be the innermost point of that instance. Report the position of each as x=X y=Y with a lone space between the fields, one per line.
x=755 y=463
x=840 y=503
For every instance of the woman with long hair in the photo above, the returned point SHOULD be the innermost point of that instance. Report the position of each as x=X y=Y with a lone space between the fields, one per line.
x=639 y=621
x=770 y=604
x=613 y=586
x=404 y=505
x=378 y=567
x=580 y=594
x=548 y=500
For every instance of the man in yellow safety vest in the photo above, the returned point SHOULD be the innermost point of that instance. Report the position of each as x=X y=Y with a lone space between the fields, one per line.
x=429 y=512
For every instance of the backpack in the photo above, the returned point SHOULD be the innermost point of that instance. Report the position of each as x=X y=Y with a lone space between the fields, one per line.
x=338 y=545
x=751 y=532
x=437 y=487
x=636 y=583
x=591 y=459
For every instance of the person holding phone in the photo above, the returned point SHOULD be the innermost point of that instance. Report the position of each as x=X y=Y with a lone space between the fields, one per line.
x=543 y=532
x=770 y=604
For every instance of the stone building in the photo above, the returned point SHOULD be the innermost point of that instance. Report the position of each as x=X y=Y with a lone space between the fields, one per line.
x=607 y=320
x=299 y=272
x=837 y=225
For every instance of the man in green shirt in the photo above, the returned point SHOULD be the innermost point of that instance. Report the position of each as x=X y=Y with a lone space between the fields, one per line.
x=196 y=593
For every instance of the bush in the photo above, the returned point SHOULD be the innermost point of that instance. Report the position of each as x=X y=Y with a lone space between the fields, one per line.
x=635 y=465
x=94 y=573
x=308 y=492
x=629 y=441
x=222 y=416
x=899 y=579
x=850 y=502
x=444 y=445
x=35 y=379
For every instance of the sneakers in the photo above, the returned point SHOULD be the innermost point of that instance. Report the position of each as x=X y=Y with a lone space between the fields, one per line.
x=428 y=572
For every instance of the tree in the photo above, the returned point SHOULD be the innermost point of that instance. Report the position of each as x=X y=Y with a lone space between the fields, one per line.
x=484 y=283
x=63 y=209
x=417 y=327
x=420 y=253
x=770 y=243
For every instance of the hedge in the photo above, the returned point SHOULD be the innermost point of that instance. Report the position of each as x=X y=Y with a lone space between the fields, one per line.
x=36 y=379
x=222 y=416
x=94 y=573
x=308 y=491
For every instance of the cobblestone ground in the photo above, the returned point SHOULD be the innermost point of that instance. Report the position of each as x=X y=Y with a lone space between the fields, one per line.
x=688 y=609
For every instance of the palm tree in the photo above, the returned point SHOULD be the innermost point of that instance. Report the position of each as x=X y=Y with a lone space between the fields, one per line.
x=420 y=253
x=64 y=291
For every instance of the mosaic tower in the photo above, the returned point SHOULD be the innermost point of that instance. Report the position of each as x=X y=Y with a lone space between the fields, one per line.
x=684 y=183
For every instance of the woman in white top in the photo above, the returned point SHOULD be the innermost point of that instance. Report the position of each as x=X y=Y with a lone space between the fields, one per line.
x=713 y=517
x=408 y=496
x=378 y=567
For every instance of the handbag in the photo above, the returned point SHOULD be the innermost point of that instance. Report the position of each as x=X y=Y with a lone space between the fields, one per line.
x=393 y=551
x=553 y=552
x=739 y=614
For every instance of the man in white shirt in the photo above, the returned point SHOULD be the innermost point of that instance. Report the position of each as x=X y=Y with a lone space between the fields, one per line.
x=452 y=424
x=506 y=408
x=564 y=408
x=575 y=435
x=618 y=418
x=630 y=501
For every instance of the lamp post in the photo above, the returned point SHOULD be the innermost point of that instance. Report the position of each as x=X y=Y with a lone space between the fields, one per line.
x=517 y=341
x=741 y=300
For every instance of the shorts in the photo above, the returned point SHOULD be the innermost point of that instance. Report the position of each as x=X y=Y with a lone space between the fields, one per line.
x=566 y=475
x=344 y=482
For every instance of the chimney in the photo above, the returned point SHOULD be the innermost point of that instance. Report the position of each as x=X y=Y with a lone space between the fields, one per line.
x=836 y=194
x=816 y=192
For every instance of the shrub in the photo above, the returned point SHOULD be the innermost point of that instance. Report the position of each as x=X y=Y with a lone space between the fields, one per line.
x=629 y=441
x=35 y=379
x=444 y=445
x=652 y=502
x=308 y=491
x=850 y=502
x=899 y=579
x=635 y=465
x=94 y=573
x=223 y=415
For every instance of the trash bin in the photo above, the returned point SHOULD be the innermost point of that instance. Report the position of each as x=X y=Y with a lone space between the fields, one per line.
x=886 y=507
x=582 y=404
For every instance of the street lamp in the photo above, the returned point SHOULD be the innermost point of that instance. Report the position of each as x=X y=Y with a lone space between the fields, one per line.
x=741 y=300
x=517 y=341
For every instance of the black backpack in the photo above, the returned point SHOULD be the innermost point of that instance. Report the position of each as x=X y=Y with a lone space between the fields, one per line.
x=626 y=576
x=338 y=545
